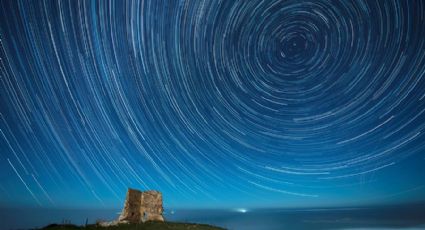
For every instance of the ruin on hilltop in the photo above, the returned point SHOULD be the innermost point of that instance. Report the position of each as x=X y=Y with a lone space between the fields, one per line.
x=142 y=206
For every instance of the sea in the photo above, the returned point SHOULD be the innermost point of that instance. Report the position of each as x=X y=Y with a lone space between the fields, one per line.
x=410 y=217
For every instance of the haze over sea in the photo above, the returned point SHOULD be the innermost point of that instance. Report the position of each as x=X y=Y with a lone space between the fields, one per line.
x=409 y=217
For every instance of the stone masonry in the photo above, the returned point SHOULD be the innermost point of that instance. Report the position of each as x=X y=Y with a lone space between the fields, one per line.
x=142 y=206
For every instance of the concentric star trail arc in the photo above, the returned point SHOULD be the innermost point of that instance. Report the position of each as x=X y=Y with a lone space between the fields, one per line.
x=211 y=102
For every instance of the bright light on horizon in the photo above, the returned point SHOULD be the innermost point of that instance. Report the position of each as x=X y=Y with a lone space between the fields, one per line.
x=242 y=210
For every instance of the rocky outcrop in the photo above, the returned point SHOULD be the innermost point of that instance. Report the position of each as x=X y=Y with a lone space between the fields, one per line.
x=142 y=206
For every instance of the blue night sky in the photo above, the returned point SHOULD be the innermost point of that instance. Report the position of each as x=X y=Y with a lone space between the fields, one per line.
x=217 y=104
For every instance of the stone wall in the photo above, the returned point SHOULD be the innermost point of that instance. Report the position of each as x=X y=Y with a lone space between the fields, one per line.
x=142 y=206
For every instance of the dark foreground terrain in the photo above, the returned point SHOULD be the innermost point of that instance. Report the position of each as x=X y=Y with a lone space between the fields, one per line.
x=141 y=226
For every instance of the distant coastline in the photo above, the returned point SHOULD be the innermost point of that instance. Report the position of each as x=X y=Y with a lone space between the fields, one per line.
x=407 y=216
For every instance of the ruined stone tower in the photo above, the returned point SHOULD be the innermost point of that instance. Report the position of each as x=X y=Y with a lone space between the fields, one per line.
x=142 y=206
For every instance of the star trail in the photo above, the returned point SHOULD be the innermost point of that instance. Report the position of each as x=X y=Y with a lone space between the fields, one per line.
x=215 y=103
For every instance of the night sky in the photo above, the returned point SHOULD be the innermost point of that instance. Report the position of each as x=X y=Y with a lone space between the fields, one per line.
x=215 y=103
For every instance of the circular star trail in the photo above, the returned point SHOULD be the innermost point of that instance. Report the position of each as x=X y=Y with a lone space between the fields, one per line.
x=287 y=99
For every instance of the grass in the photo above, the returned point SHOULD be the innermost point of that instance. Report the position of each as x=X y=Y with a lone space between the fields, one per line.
x=150 y=225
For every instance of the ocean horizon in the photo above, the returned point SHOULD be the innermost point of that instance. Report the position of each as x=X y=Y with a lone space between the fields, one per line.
x=411 y=217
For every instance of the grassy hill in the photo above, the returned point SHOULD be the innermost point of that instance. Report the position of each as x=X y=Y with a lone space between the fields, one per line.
x=142 y=226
